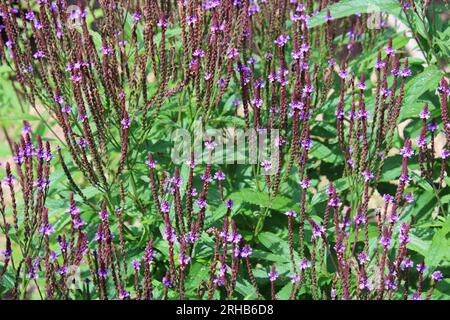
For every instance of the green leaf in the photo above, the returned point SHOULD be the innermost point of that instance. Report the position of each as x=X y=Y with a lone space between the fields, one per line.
x=280 y=203
x=323 y=153
x=418 y=245
x=439 y=246
x=347 y=8
x=418 y=85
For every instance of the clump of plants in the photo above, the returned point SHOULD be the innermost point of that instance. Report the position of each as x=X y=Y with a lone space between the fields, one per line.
x=350 y=202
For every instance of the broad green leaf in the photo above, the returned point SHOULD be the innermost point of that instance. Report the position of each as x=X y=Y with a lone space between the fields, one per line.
x=418 y=245
x=439 y=246
x=323 y=153
x=347 y=8
x=280 y=203
x=418 y=85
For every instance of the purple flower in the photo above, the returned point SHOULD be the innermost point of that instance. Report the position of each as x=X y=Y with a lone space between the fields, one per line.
x=386 y=92
x=198 y=53
x=78 y=223
x=424 y=114
x=404 y=230
x=47 y=229
x=39 y=54
x=104 y=215
x=408 y=197
x=343 y=74
x=210 y=145
x=103 y=273
x=66 y=109
x=405 y=72
x=53 y=256
x=307 y=90
x=437 y=276
x=359 y=219
x=221 y=82
x=273 y=275
x=229 y=203
x=305 y=184
x=162 y=23
x=165 y=207
x=29 y=16
x=406 y=152
x=246 y=251
x=331 y=62
x=211 y=4
x=389 y=284
x=432 y=126
x=7 y=253
x=386 y=239
x=253 y=9
x=62 y=270
x=363 y=114
x=183 y=259
x=389 y=51
x=291 y=213
x=416 y=296
x=169 y=235
x=232 y=53
x=406 y=263
x=151 y=163
x=318 y=231
x=106 y=50
x=304 y=264
x=191 y=20
x=365 y=283
x=208 y=76
x=33 y=269
x=123 y=294
x=422 y=141
x=234 y=237
x=306 y=143
x=279 y=141
x=40 y=184
x=267 y=165
x=137 y=16
x=388 y=198
x=351 y=163
x=421 y=267
x=82 y=117
x=379 y=64
x=83 y=143
x=201 y=203
x=295 y=278
x=445 y=154
x=335 y=202
x=282 y=40
x=257 y=102
x=368 y=175
x=393 y=217
x=395 y=72
x=362 y=85
x=339 y=247
x=363 y=258
x=192 y=236
x=167 y=282
x=125 y=123
x=405 y=178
